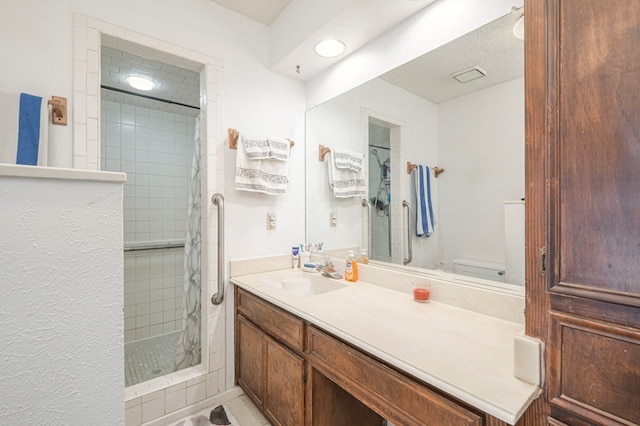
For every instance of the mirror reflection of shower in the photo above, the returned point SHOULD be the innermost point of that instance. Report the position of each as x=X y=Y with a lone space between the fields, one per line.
x=380 y=191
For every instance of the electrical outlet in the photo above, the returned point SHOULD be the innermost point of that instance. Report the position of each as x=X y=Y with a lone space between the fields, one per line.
x=271 y=221
x=333 y=219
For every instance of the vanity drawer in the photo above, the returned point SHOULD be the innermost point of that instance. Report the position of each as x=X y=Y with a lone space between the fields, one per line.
x=392 y=395
x=275 y=321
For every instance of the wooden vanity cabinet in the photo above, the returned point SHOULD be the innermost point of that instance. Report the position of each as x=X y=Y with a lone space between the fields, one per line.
x=270 y=372
x=299 y=375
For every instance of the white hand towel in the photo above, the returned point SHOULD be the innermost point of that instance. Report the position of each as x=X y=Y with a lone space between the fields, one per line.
x=348 y=159
x=424 y=207
x=344 y=181
x=267 y=176
x=264 y=147
x=24 y=124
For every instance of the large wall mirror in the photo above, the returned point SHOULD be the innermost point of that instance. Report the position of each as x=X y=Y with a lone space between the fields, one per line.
x=472 y=126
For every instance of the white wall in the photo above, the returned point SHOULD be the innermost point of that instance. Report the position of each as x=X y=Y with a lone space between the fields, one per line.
x=61 y=308
x=419 y=118
x=38 y=52
x=255 y=99
x=481 y=146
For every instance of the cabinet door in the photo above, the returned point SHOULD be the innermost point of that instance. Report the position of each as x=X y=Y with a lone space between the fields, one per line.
x=284 y=394
x=583 y=204
x=250 y=358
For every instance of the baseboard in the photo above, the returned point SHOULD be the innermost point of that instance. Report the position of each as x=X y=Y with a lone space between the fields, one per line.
x=197 y=407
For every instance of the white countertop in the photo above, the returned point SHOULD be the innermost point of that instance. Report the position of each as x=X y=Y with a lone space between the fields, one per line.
x=465 y=354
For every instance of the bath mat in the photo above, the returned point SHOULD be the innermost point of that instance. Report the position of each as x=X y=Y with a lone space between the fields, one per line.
x=219 y=416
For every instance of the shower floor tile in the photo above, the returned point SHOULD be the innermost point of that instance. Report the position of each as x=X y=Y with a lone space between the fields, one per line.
x=149 y=358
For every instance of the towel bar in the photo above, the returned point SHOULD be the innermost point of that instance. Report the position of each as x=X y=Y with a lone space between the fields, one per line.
x=233 y=139
x=411 y=167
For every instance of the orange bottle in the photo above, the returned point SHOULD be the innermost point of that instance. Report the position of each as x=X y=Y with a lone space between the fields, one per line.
x=351 y=269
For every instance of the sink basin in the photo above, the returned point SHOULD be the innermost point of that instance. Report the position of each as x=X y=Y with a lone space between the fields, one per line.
x=305 y=286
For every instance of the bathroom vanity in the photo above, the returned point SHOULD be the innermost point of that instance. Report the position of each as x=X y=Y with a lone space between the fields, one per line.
x=316 y=351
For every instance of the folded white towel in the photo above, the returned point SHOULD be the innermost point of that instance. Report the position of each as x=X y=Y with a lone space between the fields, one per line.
x=345 y=182
x=24 y=124
x=348 y=159
x=264 y=147
x=265 y=175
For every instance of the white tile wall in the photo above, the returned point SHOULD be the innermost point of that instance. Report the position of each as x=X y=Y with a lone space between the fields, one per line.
x=87 y=35
x=155 y=149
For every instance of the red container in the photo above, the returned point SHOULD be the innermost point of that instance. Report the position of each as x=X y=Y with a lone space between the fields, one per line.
x=421 y=293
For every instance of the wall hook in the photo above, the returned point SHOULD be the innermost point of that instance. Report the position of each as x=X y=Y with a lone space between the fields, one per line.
x=58 y=110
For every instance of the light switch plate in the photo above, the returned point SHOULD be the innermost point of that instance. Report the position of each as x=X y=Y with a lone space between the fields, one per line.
x=527 y=359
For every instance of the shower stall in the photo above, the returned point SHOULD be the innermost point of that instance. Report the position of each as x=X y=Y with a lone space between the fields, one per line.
x=154 y=137
x=380 y=192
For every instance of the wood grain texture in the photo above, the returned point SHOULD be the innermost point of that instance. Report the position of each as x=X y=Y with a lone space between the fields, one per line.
x=393 y=396
x=250 y=360
x=595 y=369
x=598 y=150
x=275 y=321
x=284 y=387
x=536 y=187
x=329 y=404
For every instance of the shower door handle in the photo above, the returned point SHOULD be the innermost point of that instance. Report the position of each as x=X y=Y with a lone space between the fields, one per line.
x=365 y=203
x=218 y=200
x=407 y=205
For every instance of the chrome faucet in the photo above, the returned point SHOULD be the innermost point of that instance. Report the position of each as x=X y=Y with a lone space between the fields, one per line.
x=328 y=269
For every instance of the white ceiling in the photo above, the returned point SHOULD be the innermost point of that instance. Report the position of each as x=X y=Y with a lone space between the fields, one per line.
x=296 y=26
x=493 y=47
x=265 y=11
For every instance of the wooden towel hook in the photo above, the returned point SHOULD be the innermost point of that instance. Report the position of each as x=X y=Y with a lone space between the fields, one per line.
x=322 y=151
x=58 y=110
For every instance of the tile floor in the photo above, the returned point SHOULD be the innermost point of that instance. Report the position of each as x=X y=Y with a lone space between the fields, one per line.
x=241 y=408
x=149 y=358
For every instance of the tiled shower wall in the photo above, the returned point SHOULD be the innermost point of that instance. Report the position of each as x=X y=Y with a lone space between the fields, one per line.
x=379 y=137
x=155 y=149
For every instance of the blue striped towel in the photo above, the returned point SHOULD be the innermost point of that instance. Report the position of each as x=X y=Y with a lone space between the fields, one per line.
x=424 y=207
x=24 y=124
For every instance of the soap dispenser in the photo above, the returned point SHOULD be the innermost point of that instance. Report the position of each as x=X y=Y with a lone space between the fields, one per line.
x=351 y=268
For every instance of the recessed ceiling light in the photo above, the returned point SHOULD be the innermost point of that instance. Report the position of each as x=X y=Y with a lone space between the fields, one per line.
x=141 y=83
x=518 y=28
x=330 y=48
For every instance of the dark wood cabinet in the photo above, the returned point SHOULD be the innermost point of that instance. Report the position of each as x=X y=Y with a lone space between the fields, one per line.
x=297 y=374
x=582 y=68
x=284 y=385
x=250 y=353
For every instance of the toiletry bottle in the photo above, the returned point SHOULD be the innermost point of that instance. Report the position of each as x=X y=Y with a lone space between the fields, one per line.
x=351 y=268
x=364 y=259
x=295 y=257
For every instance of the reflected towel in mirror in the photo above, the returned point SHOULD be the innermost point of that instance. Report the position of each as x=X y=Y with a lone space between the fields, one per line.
x=345 y=182
x=424 y=207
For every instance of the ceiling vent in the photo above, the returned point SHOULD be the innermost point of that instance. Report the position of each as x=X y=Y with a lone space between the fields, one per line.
x=468 y=74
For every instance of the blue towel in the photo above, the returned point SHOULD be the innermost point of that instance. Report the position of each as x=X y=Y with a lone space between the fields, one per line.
x=424 y=207
x=23 y=120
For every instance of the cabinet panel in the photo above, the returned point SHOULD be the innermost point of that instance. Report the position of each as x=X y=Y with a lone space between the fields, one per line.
x=284 y=394
x=272 y=319
x=329 y=404
x=250 y=349
x=595 y=369
x=596 y=175
x=376 y=385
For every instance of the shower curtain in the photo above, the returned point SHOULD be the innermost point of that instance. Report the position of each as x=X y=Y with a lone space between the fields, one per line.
x=188 y=352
